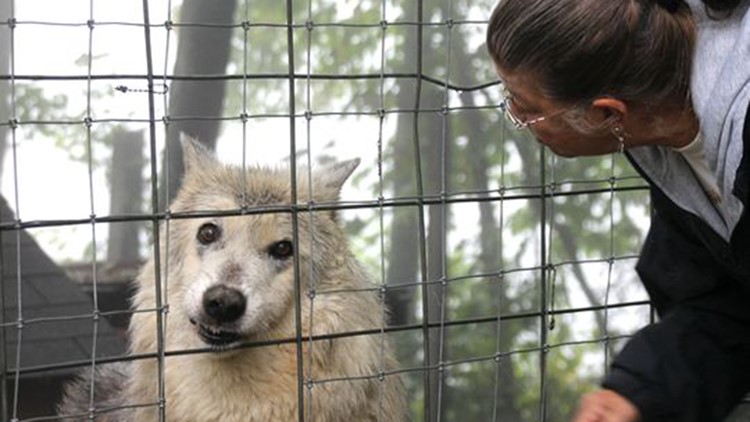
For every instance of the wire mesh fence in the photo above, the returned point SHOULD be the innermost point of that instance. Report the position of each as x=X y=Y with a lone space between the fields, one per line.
x=503 y=274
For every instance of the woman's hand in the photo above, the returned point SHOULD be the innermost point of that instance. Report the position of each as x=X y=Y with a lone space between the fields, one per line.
x=606 y=406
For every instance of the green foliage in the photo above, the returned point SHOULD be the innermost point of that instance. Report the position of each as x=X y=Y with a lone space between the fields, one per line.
x=35 y=105
x=471 y=383
x=328 y=45
x=55 y=116
x=492 y=368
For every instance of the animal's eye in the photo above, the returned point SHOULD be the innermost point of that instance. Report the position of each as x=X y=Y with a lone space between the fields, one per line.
x=281 y=250
x=208 y=233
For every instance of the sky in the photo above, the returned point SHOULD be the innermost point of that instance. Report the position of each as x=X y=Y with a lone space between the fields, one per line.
x=61 y=41
x=51 y=38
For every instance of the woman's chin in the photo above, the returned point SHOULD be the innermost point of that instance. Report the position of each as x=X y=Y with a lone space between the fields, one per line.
x=561 y=152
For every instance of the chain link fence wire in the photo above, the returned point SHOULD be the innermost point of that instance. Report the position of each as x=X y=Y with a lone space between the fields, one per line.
x=505 y=273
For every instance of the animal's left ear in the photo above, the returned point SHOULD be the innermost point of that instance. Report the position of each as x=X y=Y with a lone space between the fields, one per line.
x=195 y=155
x=330 y=178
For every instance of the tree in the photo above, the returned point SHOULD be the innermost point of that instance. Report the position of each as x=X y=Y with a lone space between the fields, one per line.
x=123 y=243
x=457 y=151
x=195 y=105
x=452 y=144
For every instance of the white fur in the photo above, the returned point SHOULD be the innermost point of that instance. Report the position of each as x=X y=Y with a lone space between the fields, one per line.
x=260 y=384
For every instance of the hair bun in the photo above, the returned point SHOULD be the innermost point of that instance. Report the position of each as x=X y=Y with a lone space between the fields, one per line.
x=670 y=5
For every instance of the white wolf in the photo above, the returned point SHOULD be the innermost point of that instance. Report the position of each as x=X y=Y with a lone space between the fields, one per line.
x=229 y=280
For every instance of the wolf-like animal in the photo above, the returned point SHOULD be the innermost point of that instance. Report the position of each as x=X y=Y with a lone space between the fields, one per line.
x=231 y=280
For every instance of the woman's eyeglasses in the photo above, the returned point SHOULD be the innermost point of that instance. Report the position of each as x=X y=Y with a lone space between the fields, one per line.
x=519 y=124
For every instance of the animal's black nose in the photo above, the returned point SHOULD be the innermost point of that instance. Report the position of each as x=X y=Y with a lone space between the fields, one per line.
x=223 y=304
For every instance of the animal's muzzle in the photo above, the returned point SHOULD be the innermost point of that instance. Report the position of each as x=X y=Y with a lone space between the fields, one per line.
x=223 y=304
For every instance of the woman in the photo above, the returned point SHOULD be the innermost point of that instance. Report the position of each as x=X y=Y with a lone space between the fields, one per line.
x=666 y=82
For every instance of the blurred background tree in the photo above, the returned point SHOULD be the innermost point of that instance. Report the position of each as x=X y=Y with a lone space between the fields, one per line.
x=500 y=259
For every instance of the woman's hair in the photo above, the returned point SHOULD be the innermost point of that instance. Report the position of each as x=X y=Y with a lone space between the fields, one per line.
x=633 y=50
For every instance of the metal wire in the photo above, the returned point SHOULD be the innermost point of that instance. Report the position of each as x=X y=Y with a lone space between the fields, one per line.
x=28 y=370
x=309 y=381
x=14 y=144
x=161 y=365
x=160 y=308
x=435 y=320
x=421 y=231
x=380 y=210
x=92 y=209
x=443 y=218
x=500 y=285
x=406 y=201
x=295 y=213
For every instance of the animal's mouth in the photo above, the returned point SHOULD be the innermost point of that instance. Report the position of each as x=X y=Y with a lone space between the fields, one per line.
x=218 y=338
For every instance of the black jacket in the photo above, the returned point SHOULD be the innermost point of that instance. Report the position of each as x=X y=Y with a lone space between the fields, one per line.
x=694 y=364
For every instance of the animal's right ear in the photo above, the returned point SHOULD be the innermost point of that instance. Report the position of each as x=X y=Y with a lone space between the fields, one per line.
x=195 y=155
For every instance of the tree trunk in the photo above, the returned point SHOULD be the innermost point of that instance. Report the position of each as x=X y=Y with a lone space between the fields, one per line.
x=403 y=255
x=126 y=197
x=194 y=106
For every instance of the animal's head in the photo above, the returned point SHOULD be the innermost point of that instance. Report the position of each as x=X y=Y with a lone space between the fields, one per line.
x=233 y=276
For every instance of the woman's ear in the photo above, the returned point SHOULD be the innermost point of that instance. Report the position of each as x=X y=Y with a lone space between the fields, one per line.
x=609 y=109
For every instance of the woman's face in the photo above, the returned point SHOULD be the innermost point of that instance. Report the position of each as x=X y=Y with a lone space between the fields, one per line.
x=528 y=104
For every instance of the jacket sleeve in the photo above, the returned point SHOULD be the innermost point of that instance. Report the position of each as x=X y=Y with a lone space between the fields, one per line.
x=693 y=365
